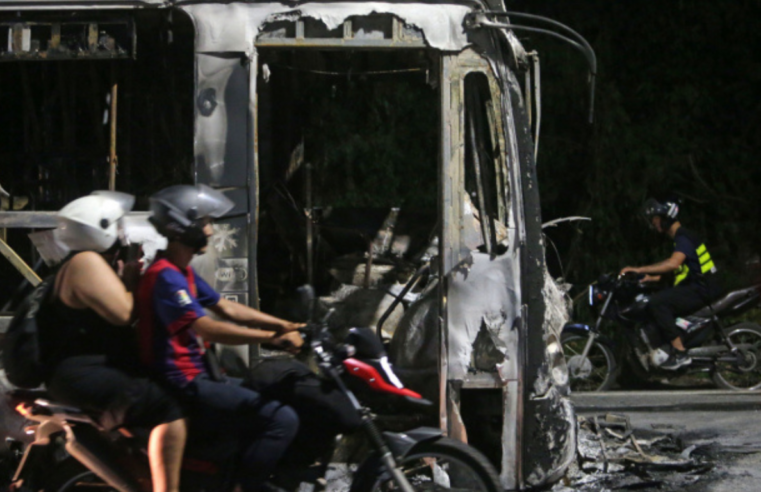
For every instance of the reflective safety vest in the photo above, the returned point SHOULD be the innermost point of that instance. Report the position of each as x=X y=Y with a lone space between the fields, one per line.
x=706 y=265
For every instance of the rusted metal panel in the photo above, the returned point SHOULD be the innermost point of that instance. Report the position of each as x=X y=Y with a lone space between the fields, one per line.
x=42 y=220
x=362 y=33
x=235 y=27
x=57 y=5
x=66 y=39
x=221 y=148
x=27 y=220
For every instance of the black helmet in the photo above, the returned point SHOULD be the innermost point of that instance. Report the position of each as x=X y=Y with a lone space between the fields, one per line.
x=667 y=210
x=178 y=211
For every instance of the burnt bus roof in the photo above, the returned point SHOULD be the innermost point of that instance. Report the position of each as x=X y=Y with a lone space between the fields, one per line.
x=119 y=4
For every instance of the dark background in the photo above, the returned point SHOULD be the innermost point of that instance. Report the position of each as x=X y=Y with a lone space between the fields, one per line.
x=677 y=111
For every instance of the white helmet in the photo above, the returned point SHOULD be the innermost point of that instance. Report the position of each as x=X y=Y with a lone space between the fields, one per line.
x=91 y=223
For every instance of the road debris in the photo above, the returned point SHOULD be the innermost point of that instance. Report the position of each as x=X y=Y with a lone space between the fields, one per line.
x=613 y=456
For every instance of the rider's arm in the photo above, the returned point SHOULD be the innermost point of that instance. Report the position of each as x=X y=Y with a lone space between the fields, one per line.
x=180 y=308
x=248 y=316
x=663 y=267
x=230 y=334
x=92 y=283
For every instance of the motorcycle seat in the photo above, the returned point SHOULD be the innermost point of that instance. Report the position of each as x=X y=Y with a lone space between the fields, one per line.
x=28 y=396
x=731 y=299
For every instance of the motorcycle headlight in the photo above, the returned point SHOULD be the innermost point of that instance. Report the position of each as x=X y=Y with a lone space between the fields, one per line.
x=596 y=295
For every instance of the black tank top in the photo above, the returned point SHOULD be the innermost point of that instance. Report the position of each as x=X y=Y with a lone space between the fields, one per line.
x=70 y=332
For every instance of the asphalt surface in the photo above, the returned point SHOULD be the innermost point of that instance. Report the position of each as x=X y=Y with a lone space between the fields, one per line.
x=722 y=428
x=667 y=400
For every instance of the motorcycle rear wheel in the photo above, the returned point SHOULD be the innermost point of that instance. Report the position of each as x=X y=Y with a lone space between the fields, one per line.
x=71 y=476
x=729 y=375
x=602 y=367
x=440 y=465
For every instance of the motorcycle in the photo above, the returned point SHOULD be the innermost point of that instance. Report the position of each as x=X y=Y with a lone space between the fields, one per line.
x=71 y=452
x=596 y=360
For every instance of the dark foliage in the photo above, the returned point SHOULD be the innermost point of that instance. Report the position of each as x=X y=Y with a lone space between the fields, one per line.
x=677 y=110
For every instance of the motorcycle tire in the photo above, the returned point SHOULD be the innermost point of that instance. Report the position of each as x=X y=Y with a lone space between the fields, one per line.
x=441 y=464
x=603 y=367
x=730 y=376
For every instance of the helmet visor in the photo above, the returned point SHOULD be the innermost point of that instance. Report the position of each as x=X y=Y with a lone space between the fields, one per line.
x=212 y=203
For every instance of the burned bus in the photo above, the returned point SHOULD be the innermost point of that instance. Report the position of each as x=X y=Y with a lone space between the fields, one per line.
x=382 y=152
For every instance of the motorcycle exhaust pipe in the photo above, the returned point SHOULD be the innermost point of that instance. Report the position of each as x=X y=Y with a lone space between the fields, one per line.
x=710 y=351
x=88 y=447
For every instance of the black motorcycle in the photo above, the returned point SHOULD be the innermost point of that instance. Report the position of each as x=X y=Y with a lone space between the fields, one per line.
x=70 y=451
x=632 y=346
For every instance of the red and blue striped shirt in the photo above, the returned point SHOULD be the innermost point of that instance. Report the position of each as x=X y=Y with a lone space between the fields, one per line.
x=169 y=300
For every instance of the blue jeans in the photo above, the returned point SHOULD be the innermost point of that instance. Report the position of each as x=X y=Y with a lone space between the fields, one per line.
x=225 y=409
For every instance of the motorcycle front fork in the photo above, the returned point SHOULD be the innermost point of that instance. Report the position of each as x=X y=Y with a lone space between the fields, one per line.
x=387 y=458
x=588 y=346
x=373 y=434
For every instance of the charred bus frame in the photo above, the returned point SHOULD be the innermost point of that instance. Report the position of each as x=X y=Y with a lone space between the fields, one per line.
x=492 y=310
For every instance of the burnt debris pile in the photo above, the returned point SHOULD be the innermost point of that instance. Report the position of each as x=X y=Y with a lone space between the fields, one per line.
x=613 y=456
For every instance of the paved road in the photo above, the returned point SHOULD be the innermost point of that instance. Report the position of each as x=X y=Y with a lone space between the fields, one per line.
x=667 y=400
x=726 y=426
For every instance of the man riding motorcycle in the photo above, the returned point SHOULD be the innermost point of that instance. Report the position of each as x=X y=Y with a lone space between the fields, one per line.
x=695 y=283
x=87 y=335
x=171 y=299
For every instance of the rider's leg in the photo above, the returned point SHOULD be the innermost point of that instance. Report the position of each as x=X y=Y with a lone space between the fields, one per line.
x=165 y=449
x=278 y=424
x=265 y=429
x=678 y=344
x=123 y=399
x=324 y=411
x=666 y=305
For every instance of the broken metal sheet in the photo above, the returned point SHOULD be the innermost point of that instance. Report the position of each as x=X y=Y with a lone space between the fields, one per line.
x=487 y=295
x=234 y=27
x=22 y=5
x=556 y=315
x=665 y=464
x=548 y=445
x=222 y=122
x=554 y=425
x=359 y=307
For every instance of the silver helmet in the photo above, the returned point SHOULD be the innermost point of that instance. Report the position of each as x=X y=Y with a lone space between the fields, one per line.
x=178 y=212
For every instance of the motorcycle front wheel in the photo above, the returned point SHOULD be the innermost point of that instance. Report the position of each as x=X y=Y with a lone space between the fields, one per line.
x=596 y=371
x=745 y=376
x=440 y=465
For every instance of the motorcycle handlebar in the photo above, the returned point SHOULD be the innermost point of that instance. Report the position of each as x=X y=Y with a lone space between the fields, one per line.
x=631 y=277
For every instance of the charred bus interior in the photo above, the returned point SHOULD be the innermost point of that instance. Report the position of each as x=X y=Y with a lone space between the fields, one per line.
x=348 y=159
x=57 y=77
